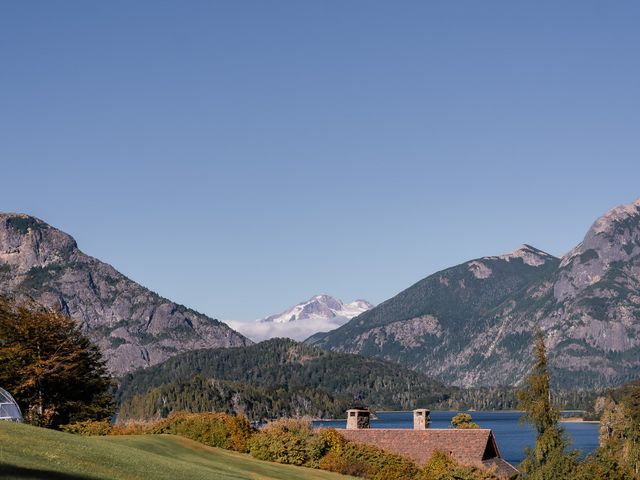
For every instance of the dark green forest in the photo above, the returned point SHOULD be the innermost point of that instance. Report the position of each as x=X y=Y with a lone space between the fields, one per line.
x=275 y=372
x=281 y=377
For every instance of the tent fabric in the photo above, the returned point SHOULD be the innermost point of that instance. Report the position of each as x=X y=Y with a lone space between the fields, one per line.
x=9 y=409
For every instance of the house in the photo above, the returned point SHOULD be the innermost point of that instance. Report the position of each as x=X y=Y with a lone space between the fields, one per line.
x=471 y=447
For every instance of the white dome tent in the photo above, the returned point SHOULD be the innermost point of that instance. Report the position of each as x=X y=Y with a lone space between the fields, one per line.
x=9 y=409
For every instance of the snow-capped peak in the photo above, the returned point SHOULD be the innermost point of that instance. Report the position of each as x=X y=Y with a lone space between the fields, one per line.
x=320 y=307
x=321 y=313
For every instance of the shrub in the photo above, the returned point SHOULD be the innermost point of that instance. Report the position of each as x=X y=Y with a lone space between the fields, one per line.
x=442 y=467
x=289 y=441
x=88 y=428
x=360 y=460
x=231 y=432
x=378 y=462
x=397 y=471
x=334 y=462
x=132 y=428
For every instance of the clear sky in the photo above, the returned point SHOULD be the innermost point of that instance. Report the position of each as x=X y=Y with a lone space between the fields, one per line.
x=239 y=157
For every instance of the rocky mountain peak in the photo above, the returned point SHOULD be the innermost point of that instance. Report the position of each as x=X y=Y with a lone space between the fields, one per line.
x=133 y=326
x=533 y=257
x=613 y=239
x=608 y=223
x=27 y=242
x=530 y=255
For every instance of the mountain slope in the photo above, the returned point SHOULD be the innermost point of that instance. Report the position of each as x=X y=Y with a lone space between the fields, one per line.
x=473 y=324
x=427 y=325
x=133 y=326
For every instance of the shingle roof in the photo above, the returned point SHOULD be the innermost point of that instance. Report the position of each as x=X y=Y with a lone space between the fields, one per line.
x=473 y=447
x=500 y=467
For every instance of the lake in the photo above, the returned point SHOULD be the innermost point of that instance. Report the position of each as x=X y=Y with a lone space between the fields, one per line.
x=512 y=437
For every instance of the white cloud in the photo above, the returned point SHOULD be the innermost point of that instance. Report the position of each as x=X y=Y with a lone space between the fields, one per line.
x=298 y=330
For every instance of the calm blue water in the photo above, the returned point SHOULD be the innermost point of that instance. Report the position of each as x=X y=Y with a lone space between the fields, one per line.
x=512 y=436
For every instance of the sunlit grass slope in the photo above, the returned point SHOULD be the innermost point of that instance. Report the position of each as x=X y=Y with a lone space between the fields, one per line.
x=35 y=453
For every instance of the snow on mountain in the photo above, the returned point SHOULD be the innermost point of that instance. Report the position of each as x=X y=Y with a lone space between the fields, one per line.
x=320 y=307
x=321 y=313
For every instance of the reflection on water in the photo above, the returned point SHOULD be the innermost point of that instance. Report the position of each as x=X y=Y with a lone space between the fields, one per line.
x=512 y=436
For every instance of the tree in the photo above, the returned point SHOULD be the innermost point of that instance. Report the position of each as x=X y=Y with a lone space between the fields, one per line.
x=548 y=460
x=54 y=372
x=463 y=420
x=618 y=457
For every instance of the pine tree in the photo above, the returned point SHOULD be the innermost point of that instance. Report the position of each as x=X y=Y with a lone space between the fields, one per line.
x=548 y=460
x=54 y=372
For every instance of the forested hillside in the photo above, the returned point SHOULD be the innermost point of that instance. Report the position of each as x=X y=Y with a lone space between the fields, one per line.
x=280 y=377
x=319 y=382
x=201 y=394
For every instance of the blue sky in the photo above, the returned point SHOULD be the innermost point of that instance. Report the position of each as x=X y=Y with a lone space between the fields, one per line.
x=239 y=157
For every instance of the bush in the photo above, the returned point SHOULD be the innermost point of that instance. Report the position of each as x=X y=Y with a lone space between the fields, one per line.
x=220 y=430
x=289 y=441
x=363 y=460
x=379 y=463
x=89 y=428
x=442 y=467
x=132 y=428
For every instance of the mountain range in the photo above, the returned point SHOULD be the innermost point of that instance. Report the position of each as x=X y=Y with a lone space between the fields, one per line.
x=472 y=324
x=321 y=313
x=133 y=326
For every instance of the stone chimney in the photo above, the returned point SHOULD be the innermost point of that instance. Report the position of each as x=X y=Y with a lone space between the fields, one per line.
x=357 y=418
x=421 y=419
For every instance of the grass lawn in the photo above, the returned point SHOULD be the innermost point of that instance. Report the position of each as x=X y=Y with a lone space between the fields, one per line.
x=36 y=453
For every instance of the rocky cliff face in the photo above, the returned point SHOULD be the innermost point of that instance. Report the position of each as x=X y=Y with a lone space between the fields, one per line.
x=133 y=326
x=473 y=324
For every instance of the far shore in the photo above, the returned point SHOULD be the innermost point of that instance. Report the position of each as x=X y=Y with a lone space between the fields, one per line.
x=563 y=419
x=577 y=420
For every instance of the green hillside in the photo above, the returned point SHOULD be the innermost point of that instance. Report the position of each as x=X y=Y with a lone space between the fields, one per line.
x=34 y=453
x=430 y=325
x=274 y=378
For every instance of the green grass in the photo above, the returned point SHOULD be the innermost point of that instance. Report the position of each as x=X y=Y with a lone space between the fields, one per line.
x=35 y=453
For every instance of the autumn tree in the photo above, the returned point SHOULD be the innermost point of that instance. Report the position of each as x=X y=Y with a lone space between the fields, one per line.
x=549 y=459
x=618 y=457
x=463 y=420
x=55 y=373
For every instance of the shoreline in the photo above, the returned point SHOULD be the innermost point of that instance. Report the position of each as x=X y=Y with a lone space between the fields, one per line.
x=567 y=419
x=577 y=420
